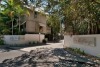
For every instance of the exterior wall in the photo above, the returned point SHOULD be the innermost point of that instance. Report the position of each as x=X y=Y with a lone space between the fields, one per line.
x=33 y=23
x=14 y=39
x=44 y=29
x=34 y=37
x=41 y=19
x=89 y=43
x=36 y=27
x=48 y=30
x=30 y=26
x=22 y=39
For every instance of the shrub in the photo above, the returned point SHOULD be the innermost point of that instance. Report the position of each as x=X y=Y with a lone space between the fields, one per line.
x=44 y=41
x=33 y=42
x=30 y=43
x=1 y=42
x=77 y=51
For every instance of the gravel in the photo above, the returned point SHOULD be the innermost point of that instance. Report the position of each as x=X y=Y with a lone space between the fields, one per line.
x=45 y=57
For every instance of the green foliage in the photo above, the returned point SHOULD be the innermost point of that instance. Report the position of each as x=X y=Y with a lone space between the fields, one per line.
x=33 y=42
x=79 y=16
x=54 y=22
x=11 y=12
x=44 y=41
x=76 y=50
x=1 y=42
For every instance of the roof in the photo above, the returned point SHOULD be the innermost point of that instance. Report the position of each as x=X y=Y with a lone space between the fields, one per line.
x=32 y=8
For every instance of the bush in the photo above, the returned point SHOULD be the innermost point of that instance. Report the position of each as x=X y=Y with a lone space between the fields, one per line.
x=44 y=41
x=33 y=42
x=76 y=50
x=30 y=43
x=49 y=37
x=1 y=42
x=79 y=51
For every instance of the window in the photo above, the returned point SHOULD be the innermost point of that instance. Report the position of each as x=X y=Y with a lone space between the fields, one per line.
x=35 y=14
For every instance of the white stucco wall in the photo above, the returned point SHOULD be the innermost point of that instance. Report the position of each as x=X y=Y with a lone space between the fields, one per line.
x=22 y=39
x=94 y=40
x=14 y=39
x=34 y=37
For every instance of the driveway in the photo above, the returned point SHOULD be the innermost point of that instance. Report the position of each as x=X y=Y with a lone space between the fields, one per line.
x=11 y=53
x=49 y=45
x=51 y=55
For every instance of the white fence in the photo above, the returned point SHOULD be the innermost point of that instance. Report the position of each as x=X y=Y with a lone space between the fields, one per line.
x=22 y=39
x=89 y=43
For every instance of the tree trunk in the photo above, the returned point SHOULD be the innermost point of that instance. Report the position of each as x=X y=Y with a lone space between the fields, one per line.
x=19 y=24
x=97 y=28
x=12 y=25
x=89 y=28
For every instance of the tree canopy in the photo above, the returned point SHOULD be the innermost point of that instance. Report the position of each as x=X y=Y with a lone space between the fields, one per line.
x=10 y=14
x=79 y=16
x=54 y=22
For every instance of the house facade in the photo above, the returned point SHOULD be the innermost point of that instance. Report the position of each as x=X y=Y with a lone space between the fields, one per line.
x=35 y=29
x=36 y=23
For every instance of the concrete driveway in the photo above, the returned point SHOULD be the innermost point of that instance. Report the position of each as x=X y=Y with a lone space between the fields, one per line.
x=8 y=54
x=49 y=45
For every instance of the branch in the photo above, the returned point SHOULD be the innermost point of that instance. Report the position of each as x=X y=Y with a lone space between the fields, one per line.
x=95 y=1
x=23 y=22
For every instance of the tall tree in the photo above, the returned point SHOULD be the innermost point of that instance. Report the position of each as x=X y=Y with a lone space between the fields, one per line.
x=79 y=16
x=13 y=10
x=54 y=22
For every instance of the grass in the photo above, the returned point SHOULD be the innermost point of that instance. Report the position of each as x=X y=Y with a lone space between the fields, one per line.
x=76 y=50
x=80 y=52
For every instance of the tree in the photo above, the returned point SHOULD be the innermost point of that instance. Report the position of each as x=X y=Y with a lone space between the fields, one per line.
x=79 y=16
x=54 y=22
x=13 y=10
x=20 y=13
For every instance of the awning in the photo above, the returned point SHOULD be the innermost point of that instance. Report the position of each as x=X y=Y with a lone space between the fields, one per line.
x=41 y=24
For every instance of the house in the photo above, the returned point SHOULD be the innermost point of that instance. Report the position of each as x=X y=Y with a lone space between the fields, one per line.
x=35 y=28
x=36 y=23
